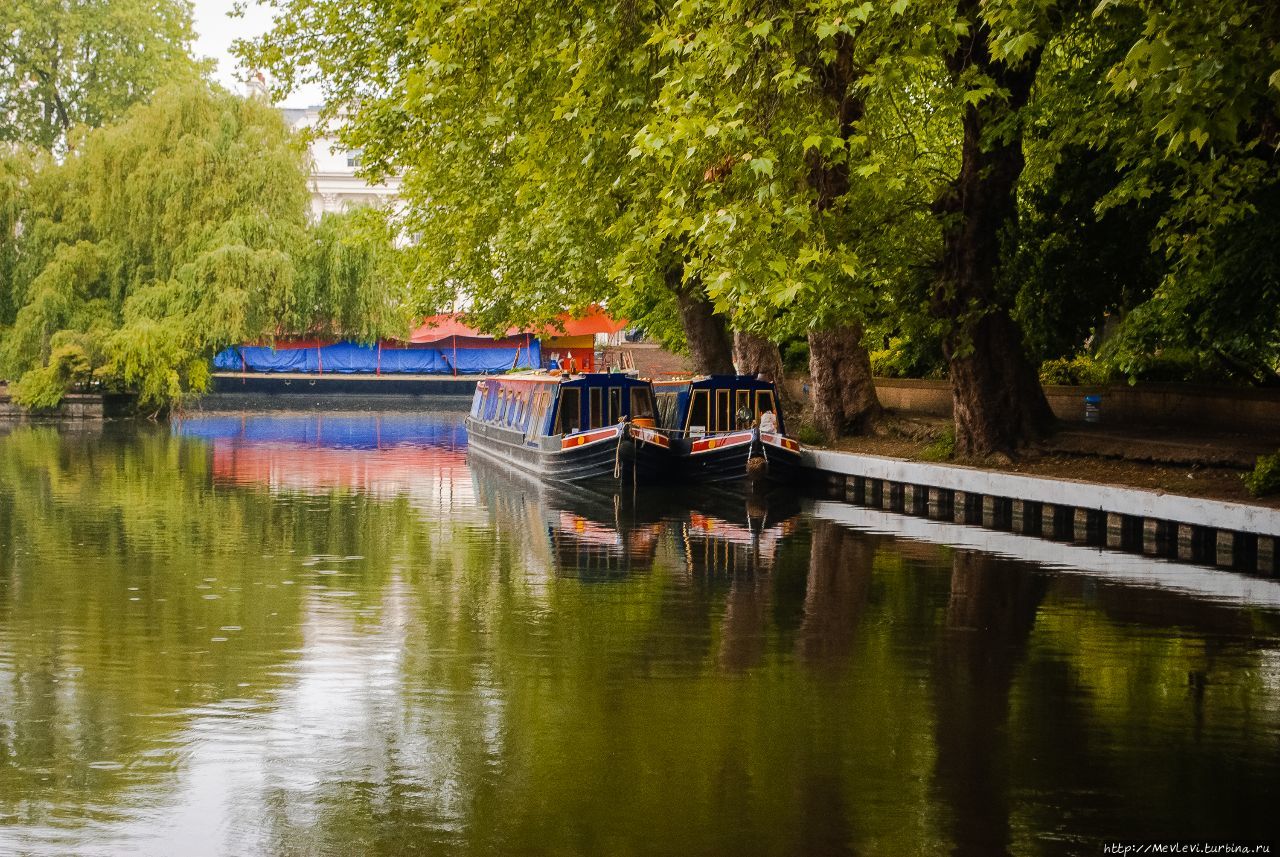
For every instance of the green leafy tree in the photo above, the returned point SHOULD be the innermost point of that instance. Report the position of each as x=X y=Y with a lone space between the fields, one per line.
x=811 y=168
x=1199 y=88
x=86 y=62
x=353 y=280
x=156 y=241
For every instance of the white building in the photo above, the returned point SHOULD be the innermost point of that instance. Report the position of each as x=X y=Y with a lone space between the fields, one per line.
x=333 y=180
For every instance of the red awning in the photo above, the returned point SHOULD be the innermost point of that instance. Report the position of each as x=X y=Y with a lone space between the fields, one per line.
x=594 y=320
x=437 y=327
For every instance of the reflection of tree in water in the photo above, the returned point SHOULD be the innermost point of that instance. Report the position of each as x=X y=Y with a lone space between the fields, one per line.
x=136 y=599
x=989 y=618
x=452 y=690
x=840 y=569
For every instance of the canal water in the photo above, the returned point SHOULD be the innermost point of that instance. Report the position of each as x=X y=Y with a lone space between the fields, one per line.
x=335 y=634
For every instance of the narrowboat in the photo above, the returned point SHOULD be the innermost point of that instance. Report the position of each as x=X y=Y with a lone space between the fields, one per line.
x=727 y=427
x=570 y=429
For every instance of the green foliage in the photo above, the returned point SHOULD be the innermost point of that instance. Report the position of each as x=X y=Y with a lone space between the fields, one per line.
x=801 y=165
x=85 y=62
x=942 y=449
x=69 y=365
x=353 y=282
x=908 y=357
x=154 y=243
x=1081 y=370
x=809 y=435
x=1264 y=479
x=795 y=355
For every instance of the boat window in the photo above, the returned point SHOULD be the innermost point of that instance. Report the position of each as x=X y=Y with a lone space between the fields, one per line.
x=519 y=410
x=741 y=402
x=724 y=419
x=537 y=414
x=477 y=401
x=569 y=416
x=697 y=424
x=595 y=407
x=667 y=405
x=615 y=406
x=764 y=402
x=642 y=403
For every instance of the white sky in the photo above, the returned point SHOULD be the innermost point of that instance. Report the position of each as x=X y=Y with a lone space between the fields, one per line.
x=215 y=32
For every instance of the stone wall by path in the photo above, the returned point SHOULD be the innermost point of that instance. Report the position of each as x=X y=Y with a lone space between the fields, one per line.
x=1218 y=408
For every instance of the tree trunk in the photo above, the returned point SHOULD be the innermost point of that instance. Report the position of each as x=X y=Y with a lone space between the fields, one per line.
x=998 y=398
x=707 y=333
x=755 y=355
x=844 y=396
x=836 y=593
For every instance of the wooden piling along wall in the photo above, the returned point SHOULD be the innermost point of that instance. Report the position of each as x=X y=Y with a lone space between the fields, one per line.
x=1187 y=529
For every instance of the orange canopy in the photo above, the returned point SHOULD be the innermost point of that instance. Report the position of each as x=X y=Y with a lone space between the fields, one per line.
x=593 y=321
x=437 y=327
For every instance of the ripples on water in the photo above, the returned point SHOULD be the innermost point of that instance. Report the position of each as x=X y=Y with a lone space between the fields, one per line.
x=330 y=634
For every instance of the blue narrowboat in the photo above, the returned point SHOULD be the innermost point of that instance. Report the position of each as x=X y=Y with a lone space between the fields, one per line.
x=727 y=427
x=570 y=429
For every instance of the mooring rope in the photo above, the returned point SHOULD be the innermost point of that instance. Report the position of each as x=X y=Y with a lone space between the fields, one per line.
x=617 y=458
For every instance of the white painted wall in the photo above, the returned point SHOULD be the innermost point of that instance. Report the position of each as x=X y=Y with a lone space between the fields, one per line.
x=334 y=184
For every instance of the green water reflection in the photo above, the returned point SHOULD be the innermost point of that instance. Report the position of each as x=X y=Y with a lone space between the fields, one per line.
x=301 y=634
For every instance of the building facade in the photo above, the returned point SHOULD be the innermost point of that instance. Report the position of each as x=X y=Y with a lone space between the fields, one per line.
x=333 y=182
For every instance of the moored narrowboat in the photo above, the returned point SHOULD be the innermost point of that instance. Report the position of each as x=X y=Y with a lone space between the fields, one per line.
x=727 y=427
x=570 y=429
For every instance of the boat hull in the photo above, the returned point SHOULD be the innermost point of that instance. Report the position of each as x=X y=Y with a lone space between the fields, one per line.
x=728 y=458
x=603 y=454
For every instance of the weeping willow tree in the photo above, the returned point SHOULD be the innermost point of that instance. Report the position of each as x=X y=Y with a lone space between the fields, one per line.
x=168 y=236
x=354 y=282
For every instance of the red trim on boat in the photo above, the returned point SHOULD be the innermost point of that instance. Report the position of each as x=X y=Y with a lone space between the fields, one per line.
x=780 y=440
x=720 y=441
x=589 y=437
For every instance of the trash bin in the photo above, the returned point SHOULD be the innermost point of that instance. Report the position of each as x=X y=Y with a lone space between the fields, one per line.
x=1093 y=409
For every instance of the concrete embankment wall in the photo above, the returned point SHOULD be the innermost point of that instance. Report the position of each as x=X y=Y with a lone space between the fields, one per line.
x=76 y=406
x=1232 y=535
x=1142 y=404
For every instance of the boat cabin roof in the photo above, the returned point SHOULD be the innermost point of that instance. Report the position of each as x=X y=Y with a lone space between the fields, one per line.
x=714 y=382
x=711 y=404
x=526 y=381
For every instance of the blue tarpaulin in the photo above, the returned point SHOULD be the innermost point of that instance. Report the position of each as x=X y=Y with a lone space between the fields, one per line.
x=350 y=357
x=422 y=361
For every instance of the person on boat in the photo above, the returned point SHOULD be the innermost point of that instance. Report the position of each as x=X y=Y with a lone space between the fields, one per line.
x=743 y=416
x=769 y=422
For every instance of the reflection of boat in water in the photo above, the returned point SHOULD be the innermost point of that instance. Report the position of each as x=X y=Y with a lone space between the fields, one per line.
x=593 y=531
x=604 y=532
x=596 y=426
x=727 y=427
x=727 y=534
